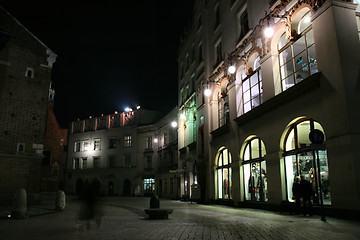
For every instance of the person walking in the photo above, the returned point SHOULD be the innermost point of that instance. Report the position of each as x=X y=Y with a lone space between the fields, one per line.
x=307 y=193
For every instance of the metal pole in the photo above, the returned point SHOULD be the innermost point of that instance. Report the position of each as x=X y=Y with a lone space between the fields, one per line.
x=320 y=192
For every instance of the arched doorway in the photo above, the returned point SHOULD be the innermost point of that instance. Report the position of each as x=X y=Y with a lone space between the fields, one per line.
x=223 y=174
x=254 y=165
x=300 y=159
x=127 y=188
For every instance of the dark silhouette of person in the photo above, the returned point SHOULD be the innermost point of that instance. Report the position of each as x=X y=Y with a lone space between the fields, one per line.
x=91 y=209
x=307 y=193
x=296 y=189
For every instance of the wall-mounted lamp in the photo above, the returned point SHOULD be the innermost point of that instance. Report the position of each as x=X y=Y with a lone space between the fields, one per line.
x=269 y=30
x=174 y=124
x=231 y=69
x=156 y=140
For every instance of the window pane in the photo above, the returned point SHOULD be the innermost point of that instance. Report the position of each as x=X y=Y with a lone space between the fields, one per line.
x=287 y=69
x=290 y=141
x=290 y=169
x=225 y=157
x=299 y=46
x=263 y=150
x=246 y=96
x=304 y=22
x=324 y=173
x=255 y=148
x=263 y=189
x=282 y=41
x=226 y=182
x=220 y=186
x=247 y=181
x=254 y=79
x=220 y=160
x=247 y=152
x=312 y=60
x=256 y=101
x=246 y=85
x=300 y=75
x=288 y=82
x=301 y=62
x=247 y=107
x=255 y=91
x=309 y=38
x=303 y=130
x=285 y=56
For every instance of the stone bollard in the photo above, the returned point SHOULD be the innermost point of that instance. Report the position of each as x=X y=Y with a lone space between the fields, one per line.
x=154 y=201
x=60 y=201
x=19 y=210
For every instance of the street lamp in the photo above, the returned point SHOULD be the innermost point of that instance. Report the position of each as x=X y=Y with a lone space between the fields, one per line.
x=174 y=124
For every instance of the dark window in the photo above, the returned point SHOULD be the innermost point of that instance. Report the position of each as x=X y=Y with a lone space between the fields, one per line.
x=244 y=23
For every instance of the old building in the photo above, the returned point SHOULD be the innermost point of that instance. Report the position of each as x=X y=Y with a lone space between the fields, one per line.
x=25 y=92
x=127 y=153
x=268 y=92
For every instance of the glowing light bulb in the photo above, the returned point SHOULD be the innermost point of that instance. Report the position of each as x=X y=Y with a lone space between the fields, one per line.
x=269 y=32
x=207 y=92
x=231 y=69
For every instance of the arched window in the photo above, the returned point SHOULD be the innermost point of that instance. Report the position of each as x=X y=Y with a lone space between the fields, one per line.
x=223 y=174
x=297 y=58
x=301 y=159
x=252 y=87
x=255 y=180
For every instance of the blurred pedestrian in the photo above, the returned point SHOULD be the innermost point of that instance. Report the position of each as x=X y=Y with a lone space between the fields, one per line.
x=296 y=189
x=91 y=208
x=307 y=193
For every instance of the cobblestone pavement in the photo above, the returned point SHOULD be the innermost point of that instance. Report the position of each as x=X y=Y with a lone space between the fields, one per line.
x=124 y=218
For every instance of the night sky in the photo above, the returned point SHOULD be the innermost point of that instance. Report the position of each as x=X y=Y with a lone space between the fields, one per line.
x=111 y=54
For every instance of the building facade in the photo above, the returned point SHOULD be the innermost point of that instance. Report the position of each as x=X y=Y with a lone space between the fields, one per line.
x=268 y=93
x=127 y=154
x=25 y=93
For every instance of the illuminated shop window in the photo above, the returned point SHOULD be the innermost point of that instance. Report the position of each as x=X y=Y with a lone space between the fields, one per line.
x=300 y=160
x=297 y=59
x=149 y=186
x=255 y=177
x=223 y=174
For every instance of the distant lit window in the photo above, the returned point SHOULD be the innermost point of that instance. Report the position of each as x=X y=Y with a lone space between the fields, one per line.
x=77 y=146
x=76 y=163
x=127 y=141
x=86 y=145
x=29 y=72
x=97 y=144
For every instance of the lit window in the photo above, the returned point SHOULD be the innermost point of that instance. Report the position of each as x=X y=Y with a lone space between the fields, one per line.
x=86 y=145
x=223 y=174
x=255 y=180
x=252 y=88
x=76 y=163
x=127 y=141
x=297 y=59
x=77 y=146
x=300 y=157
x=97 y=144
